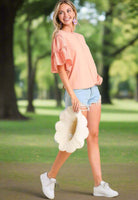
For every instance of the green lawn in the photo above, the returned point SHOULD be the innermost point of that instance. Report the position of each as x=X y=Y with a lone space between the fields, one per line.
x=33 y=140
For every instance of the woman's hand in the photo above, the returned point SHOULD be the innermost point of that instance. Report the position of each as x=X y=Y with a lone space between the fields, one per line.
x=75 y=104
x=99 y=80
x=64 y=78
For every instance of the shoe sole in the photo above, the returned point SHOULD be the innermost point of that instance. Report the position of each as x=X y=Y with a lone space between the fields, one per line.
x=102 y=195
x=42 y=188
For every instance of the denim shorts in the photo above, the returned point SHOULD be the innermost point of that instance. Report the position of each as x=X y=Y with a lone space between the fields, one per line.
x=86 y=97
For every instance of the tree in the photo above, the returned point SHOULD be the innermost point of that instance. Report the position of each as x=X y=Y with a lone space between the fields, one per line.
x=34 y=10
x=108 y=44
x=8 y=104
x=32 y=68
x=124 y=10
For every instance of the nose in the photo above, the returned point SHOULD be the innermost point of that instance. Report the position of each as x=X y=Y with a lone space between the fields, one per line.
x=66 y=14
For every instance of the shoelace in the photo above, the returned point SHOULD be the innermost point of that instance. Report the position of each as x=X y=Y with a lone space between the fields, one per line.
x=106 y=185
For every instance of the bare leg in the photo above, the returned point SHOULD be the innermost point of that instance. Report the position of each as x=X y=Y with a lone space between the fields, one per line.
x=59 y=161
x=93 y=118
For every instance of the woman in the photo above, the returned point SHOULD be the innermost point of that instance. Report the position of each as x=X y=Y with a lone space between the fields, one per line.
x=71 y=58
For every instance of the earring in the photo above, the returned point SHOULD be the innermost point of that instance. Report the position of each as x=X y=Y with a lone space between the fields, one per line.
x=75 y=21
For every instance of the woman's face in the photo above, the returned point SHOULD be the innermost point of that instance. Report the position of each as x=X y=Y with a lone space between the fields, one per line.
x=66 y=14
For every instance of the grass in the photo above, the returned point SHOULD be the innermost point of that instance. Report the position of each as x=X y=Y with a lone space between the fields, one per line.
x=32 y=141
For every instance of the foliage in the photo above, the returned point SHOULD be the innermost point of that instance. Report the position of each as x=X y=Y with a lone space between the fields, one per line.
x=123 y=26
x=33 y=9
x=121 y=19
x=40 y=42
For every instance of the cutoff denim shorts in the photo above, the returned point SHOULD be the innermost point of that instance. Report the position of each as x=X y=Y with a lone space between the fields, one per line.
x=86 y=97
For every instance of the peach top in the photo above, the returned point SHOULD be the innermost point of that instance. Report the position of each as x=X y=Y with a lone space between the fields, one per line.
x=70 y=48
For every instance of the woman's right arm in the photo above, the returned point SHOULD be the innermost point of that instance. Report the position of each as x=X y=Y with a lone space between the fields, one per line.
x=64 y=78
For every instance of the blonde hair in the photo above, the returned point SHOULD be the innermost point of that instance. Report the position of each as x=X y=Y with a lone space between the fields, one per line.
x=56 y=20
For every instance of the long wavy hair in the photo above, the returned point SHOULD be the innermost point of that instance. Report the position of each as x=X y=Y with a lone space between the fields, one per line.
x=56 y=20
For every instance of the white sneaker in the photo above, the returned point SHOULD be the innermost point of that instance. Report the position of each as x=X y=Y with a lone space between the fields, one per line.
x=48 y=185
x=104 y=190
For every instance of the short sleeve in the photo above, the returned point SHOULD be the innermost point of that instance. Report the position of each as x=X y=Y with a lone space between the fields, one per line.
x=60 y=54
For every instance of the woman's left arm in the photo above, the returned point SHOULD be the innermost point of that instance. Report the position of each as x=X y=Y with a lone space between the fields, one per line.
x=99 y=80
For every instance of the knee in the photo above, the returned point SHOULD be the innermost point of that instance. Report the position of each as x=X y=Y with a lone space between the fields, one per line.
x=93 y=136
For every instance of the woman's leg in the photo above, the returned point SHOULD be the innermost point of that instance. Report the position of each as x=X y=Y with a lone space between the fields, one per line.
x=61 y=158
x=93 y=117
x=59 y=161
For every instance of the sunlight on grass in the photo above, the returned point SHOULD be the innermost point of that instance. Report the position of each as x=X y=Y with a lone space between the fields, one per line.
x=33 y=140
x=121 y=110
x=42 y=107
x=119 y=117
x=126 y=104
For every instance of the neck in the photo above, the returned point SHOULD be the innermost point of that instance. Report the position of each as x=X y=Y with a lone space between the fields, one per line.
x=67 y=28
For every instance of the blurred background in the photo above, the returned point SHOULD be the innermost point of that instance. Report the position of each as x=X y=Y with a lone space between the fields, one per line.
x=110 y=30
x=31 y=98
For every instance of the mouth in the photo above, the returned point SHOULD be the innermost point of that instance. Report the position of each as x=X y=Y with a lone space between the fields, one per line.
x=67 y=19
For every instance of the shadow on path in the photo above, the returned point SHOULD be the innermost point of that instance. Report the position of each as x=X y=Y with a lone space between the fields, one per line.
x=75 y=192
x=20 y=181
x=24 y=190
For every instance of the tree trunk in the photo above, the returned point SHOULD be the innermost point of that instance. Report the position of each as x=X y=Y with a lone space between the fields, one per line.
x=105 y=86
x=8 y=103
x=30 y=107
x=107 y=43
x=57 y=91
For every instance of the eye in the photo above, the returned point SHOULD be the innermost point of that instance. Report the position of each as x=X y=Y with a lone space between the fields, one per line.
x=68 y=10
x=60 y=12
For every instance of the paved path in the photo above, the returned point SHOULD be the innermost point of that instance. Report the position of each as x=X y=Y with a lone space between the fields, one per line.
x=21 y=181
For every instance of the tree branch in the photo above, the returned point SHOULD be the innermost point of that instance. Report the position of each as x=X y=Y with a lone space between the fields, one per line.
x=124 y=47
x=37 y=60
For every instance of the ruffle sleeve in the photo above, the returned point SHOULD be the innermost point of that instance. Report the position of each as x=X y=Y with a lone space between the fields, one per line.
x=60 y=54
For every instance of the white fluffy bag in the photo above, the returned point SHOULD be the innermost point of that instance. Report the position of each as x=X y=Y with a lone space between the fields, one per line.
x=71 y=130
